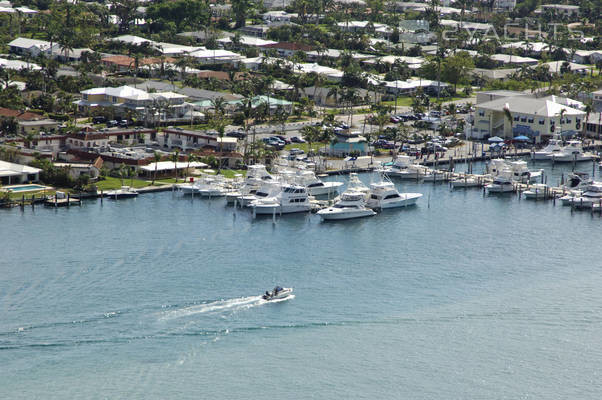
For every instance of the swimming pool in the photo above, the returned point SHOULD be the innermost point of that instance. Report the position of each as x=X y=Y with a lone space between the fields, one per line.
x=25 y=188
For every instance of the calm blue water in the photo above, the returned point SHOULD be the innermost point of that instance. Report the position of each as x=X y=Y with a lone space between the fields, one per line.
x=463 y=296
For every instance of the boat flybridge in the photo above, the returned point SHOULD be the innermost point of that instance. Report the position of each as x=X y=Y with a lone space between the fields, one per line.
x=572 y=152
x=554 y=146
x=315 y=186
x=277 y=293
x=351 y=204
x=519 y=172
x=502 y=183
x=291 y=199
x=384 y=195
x=592 y=196
x=405 y=168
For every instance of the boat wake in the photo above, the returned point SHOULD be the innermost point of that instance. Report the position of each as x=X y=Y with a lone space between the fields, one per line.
x=220 y=306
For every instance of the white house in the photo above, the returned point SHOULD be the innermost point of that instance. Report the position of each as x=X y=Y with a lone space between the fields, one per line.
x=30 y=47
x=11 y=173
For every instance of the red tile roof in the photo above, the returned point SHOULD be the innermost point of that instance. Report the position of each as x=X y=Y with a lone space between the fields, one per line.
x=20 y=115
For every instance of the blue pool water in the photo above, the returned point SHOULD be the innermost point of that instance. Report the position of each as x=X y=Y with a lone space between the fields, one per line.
x=463 y=296
x=26 y=188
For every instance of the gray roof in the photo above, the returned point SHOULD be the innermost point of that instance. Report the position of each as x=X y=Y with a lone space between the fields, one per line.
x=194 y=94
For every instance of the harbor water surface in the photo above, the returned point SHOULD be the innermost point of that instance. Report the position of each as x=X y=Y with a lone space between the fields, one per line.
x=463 y=296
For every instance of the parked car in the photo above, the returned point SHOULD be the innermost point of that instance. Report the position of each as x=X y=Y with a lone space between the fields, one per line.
x=296 y=139
x=383 y=144
x=296 y=151
x=436 y=147
x=236 y=134
x=284 y=139
x=394 y=119
x=112 y=123
x=123 y=123
x=99 y=120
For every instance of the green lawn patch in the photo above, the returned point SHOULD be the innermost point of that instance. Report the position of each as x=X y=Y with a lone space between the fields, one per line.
x=110 y=183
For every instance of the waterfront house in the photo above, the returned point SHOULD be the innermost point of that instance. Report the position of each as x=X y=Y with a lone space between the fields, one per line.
x=11 y=173
x=597 y=100
x=535 y=118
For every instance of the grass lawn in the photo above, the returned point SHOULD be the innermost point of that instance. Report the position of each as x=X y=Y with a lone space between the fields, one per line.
x=229 y=173
x=29 y=195
x=305 y=146
x=110 y=183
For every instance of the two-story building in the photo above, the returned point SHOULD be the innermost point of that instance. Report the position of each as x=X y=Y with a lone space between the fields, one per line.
x=538 y=119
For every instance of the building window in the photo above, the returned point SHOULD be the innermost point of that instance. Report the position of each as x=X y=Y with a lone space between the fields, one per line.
x=542 y=121
x=516 y=117
x=482 y=113
x=530 y=120
x=523 y=119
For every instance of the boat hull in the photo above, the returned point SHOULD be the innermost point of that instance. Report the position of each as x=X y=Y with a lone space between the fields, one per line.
x=405 y=200
x=338 y=214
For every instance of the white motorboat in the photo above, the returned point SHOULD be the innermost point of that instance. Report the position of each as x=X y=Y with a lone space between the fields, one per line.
x=315 y=186
x=277 y=293
x=521 y=173
x=291 y=199
x=350 y=205
x=125 y=192
x=502 y=183
x=537 y=191
x=384 y=195
x=592 y=195
x=568 y=198
x=405 y=168
x=356 y=185
x=212 y=186
x=187 y=188
x=572 y=152
x=465 y=182
x=519 y=170
x=554 y=146
x=257 y=174
x=267 y=189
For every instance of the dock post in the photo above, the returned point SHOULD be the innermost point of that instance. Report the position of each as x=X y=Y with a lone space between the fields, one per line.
x=101 y=196
x=22 y=202
x=254 y=212
x=55 y=201
x=273 y=216
x=33 y=200
x=68 y=199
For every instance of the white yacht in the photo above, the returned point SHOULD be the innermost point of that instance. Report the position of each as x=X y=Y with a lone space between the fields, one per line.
x=554 y=147
x=315 y=186
x=537 y=191
x=384 y=195
x=592 y=195
x=350 y=205
x=465 y=182
x=405 y=168
x=267 y=189
x=573 y=151
x=211 y=186
x=188 y=187
x=519 y=170
x=291 y=199
x=125 y=192
x=521 y=173
x=502 y=183
x=257 y=174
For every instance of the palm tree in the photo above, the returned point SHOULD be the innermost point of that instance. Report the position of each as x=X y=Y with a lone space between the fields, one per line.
x=588 y=109
x=335 y=92
x=191 y=159
x=219 y=124
x=175 y=156
x=219 y=105
x=156 y=159
x=311 y=134
x=121 y=172
x=508 y=116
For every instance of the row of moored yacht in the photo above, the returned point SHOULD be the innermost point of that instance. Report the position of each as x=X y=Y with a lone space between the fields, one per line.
x=293 y=192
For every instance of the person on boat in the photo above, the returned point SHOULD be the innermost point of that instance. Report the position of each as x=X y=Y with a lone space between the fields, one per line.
x=267 y=294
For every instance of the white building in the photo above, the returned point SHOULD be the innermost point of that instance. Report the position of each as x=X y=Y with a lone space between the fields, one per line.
x=216 y=56
x=532 y=117
x=30 y=47
x=11 y=173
